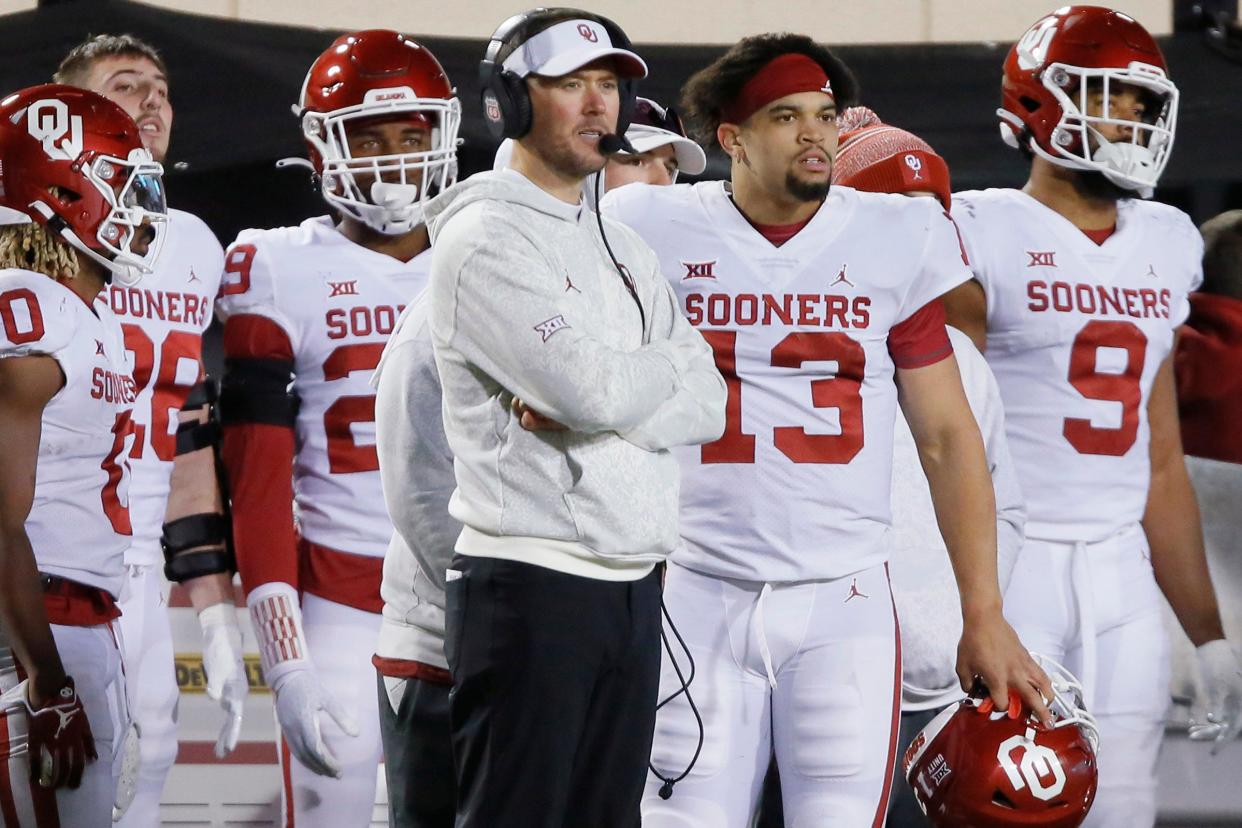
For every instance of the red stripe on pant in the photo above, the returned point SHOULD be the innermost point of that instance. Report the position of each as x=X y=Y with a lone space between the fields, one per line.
x=17 y=786
x=286 y=773
x=881 y=812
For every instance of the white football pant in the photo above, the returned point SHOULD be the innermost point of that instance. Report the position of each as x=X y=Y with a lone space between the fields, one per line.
x=341 y=641
x=811 y=669
x=146 y=636
x=1096 y=608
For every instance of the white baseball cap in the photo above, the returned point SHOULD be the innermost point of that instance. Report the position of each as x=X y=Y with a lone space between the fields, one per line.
x=690 y=156
x=569 y=45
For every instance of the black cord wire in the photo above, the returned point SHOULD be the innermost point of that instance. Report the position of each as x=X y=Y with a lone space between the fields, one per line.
x=666 y=790
x=625 y=276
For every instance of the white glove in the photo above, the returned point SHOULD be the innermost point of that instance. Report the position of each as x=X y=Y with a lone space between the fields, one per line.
x=1220 y=667
x=226 y=672
x=299 y=698
x=277 y=621
x=127 y=783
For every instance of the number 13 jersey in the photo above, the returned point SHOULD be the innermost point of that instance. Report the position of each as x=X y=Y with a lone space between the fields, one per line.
x=798 y=487
x=1076 y=334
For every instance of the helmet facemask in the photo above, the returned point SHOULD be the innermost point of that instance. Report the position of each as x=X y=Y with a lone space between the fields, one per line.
x=136 y=206
x=1134 y=163
x=387 y=206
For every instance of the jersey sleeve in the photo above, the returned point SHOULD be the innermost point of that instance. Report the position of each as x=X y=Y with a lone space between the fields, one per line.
x=36 y=317
x=944 y=263
x=258 y=448
x=1179 y=310
x=248 y=282
x=921 y=339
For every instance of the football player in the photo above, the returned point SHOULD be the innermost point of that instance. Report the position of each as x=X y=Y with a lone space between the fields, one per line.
x=74 y=170
x=821 y=306
x=308 y=310
x=1079 y=285
x=175 y=505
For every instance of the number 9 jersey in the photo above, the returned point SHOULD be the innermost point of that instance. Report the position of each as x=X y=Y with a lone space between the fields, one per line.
x=1076 y=333
x=307 y=302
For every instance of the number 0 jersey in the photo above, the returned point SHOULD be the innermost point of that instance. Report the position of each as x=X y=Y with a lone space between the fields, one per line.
x=1076 y=334
x=329 y=306
x=163 y=319
x=798 y=487
x=79 y=524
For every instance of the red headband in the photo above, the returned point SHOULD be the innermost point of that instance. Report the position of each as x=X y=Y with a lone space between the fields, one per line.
x=784 y=75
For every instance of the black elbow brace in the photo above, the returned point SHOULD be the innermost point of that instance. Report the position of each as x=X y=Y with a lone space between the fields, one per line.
x=193 y=436
x=197 y=545
x=258 y=391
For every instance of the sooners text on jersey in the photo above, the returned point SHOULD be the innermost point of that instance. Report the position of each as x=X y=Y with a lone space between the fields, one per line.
x=798 y=486
x=163 y=319
x=79 y=522
x=337 y=303
x=1076 y=334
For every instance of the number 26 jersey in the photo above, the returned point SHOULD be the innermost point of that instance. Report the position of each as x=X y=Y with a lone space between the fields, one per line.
x=1076 y=334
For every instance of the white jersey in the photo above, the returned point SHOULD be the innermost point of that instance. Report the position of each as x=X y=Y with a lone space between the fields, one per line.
x=79 y=524
x=163 y=319
x=798 y=487
x=1076 y=334
x=337 y=302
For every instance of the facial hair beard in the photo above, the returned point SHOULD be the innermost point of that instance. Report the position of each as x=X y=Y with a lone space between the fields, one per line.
x=1093 y=186
x=806 y=190
x=565 y=161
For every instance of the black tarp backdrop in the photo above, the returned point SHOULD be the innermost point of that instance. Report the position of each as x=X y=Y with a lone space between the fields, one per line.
x=233 y=84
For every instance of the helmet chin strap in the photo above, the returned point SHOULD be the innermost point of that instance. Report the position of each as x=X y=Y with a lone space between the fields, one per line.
x=1120 y=161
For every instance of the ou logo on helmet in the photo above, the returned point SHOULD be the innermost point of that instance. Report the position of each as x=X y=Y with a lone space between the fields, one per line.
x=1033 y=769
x=49 y=121
x=1033 y=47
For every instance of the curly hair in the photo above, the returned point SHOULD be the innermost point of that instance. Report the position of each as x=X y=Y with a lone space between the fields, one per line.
x=76 y=66
x=710 y=90
x=34 y=247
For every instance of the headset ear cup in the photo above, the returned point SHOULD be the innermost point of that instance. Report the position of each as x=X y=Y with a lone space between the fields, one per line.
x=628 y=95
x=519 y=116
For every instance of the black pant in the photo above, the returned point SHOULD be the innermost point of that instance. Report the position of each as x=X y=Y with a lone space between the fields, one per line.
x=418 y=756
x=555 y=680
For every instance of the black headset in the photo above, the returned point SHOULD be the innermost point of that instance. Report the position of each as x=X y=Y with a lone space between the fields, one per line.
x=506 y=100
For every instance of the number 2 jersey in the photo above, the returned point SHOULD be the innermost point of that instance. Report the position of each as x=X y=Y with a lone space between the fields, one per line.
x=307 y=314
x=1076 y=334
x=163 y=318
x=79 y=523
x=798 y=487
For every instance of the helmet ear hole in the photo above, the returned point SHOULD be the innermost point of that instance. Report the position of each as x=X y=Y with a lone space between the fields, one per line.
x=1001 y=801
x=1030 y=103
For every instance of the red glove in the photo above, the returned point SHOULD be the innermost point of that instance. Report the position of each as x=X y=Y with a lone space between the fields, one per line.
x=59 y=741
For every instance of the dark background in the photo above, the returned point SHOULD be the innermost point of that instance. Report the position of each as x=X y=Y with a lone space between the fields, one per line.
x=233 y=84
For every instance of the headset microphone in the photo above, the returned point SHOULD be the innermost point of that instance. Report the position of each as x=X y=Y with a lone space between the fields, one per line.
x=611 y=144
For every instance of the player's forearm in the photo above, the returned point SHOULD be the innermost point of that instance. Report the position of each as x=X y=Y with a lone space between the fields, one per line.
x=208 y=590
x=964 y=501
x=259 y=460
x=1175 y=536
x=194 y=488
x=23 y=616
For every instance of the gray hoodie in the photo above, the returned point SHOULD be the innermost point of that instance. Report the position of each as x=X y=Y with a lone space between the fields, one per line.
x=525 y=302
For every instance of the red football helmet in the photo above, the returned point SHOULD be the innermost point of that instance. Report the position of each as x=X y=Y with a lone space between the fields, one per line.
x=379 y=74
x=1049 y=74
x=73 y=161
x=973 y=767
